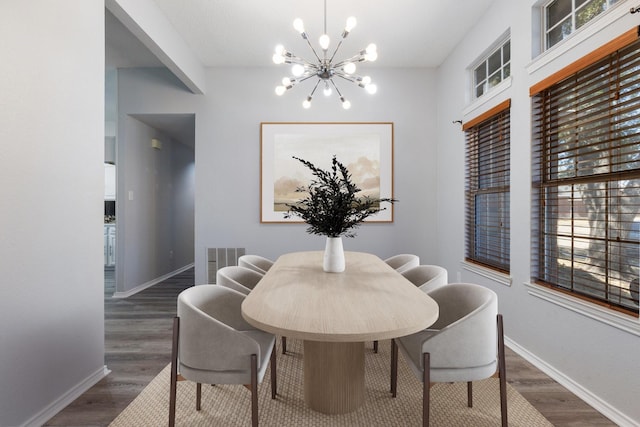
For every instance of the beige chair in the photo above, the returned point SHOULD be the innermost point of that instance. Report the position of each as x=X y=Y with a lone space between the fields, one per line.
x=427 y=277
x=403 y=262
x=256 y=263
x=465 y=344
x=241 y=279
x=213 y=344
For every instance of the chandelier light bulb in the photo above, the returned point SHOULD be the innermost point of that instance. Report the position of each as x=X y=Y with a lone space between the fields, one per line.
x=351 y=23
x=280 y=50
x=297 y=70
x=327 y=90
x=371 y=53
x=298 y=25
x=366 y=80
x=286 y=81
x=371 y=88
x=345 y=103
x=349 y=68
x=324 y=41
x=280 y=90
x=277 y=59
x=307 y=103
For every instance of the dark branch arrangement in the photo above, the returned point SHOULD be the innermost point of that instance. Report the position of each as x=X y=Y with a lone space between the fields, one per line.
x=332 y=208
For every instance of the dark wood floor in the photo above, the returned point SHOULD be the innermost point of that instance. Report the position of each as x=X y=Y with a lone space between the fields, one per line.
x=138 y=346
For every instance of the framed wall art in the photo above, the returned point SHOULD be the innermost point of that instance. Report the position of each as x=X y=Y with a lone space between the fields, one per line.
x=366 y=149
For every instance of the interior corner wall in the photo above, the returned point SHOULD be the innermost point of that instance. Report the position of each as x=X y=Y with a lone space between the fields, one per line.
x=599 y=360
x=52 y=174
x=227 y=151
x=155 y=209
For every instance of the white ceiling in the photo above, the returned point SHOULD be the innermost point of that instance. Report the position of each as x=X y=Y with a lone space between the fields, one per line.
x=408 y=33
x=244 y=33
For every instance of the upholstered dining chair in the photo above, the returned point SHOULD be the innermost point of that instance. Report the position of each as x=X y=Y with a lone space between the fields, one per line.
x=465 y=344
x=213 y=344
x=402 y=262
x=427 y=277
x=255 y=262
x=241 y=279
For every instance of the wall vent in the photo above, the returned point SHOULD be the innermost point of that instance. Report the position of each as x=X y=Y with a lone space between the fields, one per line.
x=221 y=257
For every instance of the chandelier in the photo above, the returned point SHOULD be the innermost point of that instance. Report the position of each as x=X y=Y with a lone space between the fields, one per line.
x=324 y=67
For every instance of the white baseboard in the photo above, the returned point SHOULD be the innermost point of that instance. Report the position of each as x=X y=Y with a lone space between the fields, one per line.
x=586 y=395
x=63 y=401
x=150 y=283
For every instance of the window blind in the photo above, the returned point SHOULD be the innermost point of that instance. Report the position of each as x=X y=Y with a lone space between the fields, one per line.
x=487 y=188
x=586 y=180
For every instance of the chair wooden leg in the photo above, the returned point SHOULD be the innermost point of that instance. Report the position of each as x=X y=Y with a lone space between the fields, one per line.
x=198 y=396
x=284 y=345
x=394 y=368
x=375 y=346
x=502 y=372
x=469 y=394
x=426 y=387
x=174 y=372
x=274 y=379
x=254 y=390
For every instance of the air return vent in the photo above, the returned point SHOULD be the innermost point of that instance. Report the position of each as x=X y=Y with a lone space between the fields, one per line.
x=221 y=257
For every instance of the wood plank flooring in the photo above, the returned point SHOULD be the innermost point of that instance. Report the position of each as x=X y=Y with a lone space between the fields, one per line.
x=138 y=346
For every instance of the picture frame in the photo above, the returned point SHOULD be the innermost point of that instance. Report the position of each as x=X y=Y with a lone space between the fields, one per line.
x=366 y=148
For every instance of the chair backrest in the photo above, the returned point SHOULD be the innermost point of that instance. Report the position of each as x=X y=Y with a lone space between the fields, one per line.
x=257 y=263
x=467 y=325
x=241 y=279
x=402 y=262
x=427 y=277
x=210 y=329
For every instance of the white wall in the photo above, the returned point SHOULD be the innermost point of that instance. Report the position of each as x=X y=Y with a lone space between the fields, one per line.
x=597 y=361
x=52 y=184
x=228 y=154
x=155 y=207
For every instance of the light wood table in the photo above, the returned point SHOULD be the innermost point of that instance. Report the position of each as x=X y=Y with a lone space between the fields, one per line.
x=335 y=313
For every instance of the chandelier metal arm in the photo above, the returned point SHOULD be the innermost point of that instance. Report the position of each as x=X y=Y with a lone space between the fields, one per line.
x=336 y=50
x=355 y=58
x=311 y=46
x=314 y=88
x=352 y=78
x=336 y=88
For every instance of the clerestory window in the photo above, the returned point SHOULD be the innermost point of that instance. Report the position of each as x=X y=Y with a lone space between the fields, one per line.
x=563 y=17
x=492 y=69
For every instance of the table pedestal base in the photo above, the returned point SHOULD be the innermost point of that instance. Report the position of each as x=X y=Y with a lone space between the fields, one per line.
x=333 y=376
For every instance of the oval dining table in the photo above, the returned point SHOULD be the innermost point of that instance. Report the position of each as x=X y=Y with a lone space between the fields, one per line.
x=334 y=314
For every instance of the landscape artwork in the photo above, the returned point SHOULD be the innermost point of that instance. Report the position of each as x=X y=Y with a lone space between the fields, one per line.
x=366 y=149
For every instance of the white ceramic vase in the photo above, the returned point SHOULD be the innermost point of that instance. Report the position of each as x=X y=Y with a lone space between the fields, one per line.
x=333 y=261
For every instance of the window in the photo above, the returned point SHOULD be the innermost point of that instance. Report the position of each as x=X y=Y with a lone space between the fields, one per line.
x=563 y=17
x=487 y=188
x=493 y=69
x=586 y=176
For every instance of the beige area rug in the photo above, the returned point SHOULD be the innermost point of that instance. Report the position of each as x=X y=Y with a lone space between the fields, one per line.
x=229 y=405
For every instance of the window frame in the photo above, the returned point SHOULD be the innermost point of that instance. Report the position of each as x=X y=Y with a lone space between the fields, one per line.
x=572 y=15
x=504 y=69
x=488 y=136
x=544 y=180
